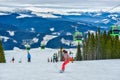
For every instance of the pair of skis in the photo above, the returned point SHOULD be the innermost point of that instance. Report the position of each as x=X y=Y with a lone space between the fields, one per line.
x=61 y=71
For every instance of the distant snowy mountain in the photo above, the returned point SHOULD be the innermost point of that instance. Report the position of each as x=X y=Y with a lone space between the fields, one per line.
x=34 y=23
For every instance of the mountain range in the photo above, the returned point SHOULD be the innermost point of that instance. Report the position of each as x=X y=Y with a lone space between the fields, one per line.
x=17 y=28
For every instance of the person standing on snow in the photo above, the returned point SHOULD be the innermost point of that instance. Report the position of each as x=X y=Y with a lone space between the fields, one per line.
x=66 y=60
x=71 y=56
x=29 y=57
x=54 y=57
x=13 y=59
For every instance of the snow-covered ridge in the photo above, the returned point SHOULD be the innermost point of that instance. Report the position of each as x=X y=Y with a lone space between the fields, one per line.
x=5 y=39
x=47 y=38
x=3 y=13
x=23 y=15
x=49 y=12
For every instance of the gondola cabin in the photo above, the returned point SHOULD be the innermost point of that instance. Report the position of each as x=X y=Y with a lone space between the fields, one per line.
x=77 y=36
x=27 y=47
x=115 y=30
x=42 y=46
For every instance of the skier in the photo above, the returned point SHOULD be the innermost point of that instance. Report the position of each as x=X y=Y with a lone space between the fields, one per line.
x=54 y=57
x=29 y=57
x=66 y=60
x=20 y=61
x=48 y=60
x=51 y=59
x=13 y=59
x=71 y=56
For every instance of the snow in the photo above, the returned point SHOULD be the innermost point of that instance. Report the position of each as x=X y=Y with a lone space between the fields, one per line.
x=91 y=31
x=44 y=15
x=106 y=21
x=4 y=38
x=68 y=33
x=14 y=41
x=3 y=14
x=40 y=69
x=47 y=11
x=66 y=42
x=56 y=33
x=35 y=40
x=32 y=29
x=46 y=38
x=23 y=16
x=69 y=42
x=11 y=33
x=52 y=29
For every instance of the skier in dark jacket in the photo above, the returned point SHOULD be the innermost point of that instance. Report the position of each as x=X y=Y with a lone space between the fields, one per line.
x=54 y=57
x=13 y=59
x=29 y=57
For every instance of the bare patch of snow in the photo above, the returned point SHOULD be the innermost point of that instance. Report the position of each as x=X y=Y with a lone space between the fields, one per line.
x=23 y=16
x=32 y=29
x=68 y=33
x=4 y=38
x=11 y=33
x=35 y=40
x=52 y=29
x=47 y=38
x=66 y=42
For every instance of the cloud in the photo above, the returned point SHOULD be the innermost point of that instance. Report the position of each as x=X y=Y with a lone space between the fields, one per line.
x=80 y=4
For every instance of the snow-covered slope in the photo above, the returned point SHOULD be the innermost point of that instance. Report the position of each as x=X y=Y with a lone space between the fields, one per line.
x=40 y=69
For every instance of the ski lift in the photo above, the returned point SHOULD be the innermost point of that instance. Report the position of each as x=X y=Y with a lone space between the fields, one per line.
x=77 y=36
x=27 y=43
x=42 y=46
x=115 y=30
x=27 y=46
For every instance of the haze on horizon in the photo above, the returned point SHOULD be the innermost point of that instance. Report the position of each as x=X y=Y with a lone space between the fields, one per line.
x=67 y=4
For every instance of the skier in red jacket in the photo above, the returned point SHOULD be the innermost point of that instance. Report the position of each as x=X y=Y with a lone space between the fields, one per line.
x=66 y=60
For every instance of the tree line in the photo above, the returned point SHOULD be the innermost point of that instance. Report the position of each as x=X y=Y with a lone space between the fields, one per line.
x=99 y=45
x=2 y=56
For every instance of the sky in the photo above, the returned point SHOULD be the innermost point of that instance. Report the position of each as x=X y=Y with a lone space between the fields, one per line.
x=76 y=4
x=45 y=8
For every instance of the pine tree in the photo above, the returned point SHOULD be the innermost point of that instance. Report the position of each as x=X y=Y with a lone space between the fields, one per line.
x=78 y=55
x=115 y=53
x=84 y=50
x=88 y=48
x=2 y=56
x=103 y=46
x=61 y=55
x=93 y=47
x=109 y=49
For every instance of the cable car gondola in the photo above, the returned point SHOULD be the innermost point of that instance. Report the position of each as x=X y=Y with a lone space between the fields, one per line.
x=77 y=36
x=27 y=47
x=42 y=46
x=115 y=30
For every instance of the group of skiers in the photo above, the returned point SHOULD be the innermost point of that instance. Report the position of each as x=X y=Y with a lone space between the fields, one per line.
x=54 y=58
x=66 y=57
x=20 y=61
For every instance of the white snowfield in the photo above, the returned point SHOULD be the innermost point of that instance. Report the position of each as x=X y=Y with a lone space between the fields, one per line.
x=40 y=69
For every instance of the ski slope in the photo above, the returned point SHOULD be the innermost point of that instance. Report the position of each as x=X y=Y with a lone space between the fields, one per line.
x=40 y=69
